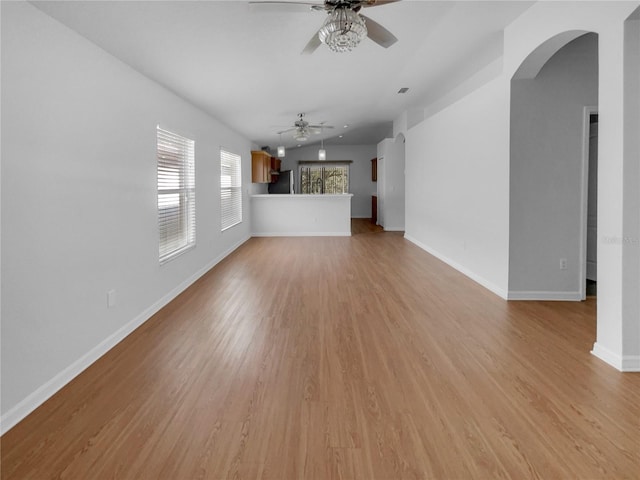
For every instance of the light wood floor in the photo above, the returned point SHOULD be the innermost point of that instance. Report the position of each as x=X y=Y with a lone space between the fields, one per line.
x=322 y=358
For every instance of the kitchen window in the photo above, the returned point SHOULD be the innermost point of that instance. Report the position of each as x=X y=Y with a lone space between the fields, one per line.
x=176 y=194
x=324 y=178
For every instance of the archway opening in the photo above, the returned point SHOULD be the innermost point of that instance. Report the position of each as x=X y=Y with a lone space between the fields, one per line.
x=553 y=97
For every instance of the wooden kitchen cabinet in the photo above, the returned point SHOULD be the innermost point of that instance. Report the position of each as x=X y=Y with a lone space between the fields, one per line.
x=374 y=169
x=264 y=167
x=275 y=169
x=260 y=167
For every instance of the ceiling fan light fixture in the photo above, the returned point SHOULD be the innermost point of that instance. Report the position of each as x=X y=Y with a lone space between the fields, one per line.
x=301 y=135
x=342 y=30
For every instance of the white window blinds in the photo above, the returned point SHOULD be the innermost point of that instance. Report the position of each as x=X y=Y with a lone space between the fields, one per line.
x=230 y=189
x=176 y=194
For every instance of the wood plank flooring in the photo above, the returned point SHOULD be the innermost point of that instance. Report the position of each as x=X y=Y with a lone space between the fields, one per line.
x=341 y=358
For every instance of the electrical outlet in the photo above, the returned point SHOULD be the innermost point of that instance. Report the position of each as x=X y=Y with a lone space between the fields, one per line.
x=111 y=298
x=563 y=264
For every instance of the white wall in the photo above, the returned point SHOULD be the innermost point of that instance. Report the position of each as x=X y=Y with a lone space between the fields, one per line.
x=546 y=173
x=79 y=203
x=391 y=184
x=631 y=242
x=360 y=184
x=457 y=175
x=301 y=215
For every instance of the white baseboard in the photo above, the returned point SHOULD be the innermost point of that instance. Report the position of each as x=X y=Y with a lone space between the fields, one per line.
x=48 y=389
x=624 y=363
x=607 y=356
x=465 y=271
x=301 y=234
x=535 y=295
x=631 y=363
x=394 y=229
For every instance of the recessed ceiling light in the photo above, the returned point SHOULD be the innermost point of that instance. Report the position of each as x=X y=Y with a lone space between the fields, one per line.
x=340 y=136
x=346 y=126
x=403 y=90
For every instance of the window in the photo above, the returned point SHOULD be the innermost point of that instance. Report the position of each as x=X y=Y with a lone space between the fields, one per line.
x=176 y=194
x=324 y=179
x=230 y=189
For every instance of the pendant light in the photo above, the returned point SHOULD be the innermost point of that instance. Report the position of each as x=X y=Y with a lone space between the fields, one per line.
x=322 y=153
x=281 y=150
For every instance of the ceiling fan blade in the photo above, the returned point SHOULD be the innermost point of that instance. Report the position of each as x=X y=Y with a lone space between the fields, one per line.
x=284 y=7
x=313 y=44
x=377 y=3
x=320 y=126
x=287 y=130
x=378 y=33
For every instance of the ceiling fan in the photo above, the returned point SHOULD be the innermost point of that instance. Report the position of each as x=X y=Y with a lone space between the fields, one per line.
x=345 y=26
x=302 y=130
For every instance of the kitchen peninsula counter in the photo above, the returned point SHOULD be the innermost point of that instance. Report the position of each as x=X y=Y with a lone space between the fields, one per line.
x=301 y=215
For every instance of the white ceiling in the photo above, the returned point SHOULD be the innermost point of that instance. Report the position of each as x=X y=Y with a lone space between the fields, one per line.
x=242 y=63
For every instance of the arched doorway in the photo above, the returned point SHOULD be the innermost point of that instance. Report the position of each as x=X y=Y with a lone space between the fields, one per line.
x=618 y=305
x=548 y=171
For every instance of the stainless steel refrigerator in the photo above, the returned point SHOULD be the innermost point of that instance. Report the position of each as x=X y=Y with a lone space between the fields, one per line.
x=284 y=184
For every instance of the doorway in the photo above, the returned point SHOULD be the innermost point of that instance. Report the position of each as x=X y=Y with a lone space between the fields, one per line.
x=549 y=172
x=380 y=192
x=591 y=255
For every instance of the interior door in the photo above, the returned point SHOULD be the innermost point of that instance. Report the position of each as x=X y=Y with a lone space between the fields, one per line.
x=380 y=184
x=592 y=202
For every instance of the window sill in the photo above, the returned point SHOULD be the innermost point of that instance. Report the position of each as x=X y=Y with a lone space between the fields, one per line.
x=177 y=253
